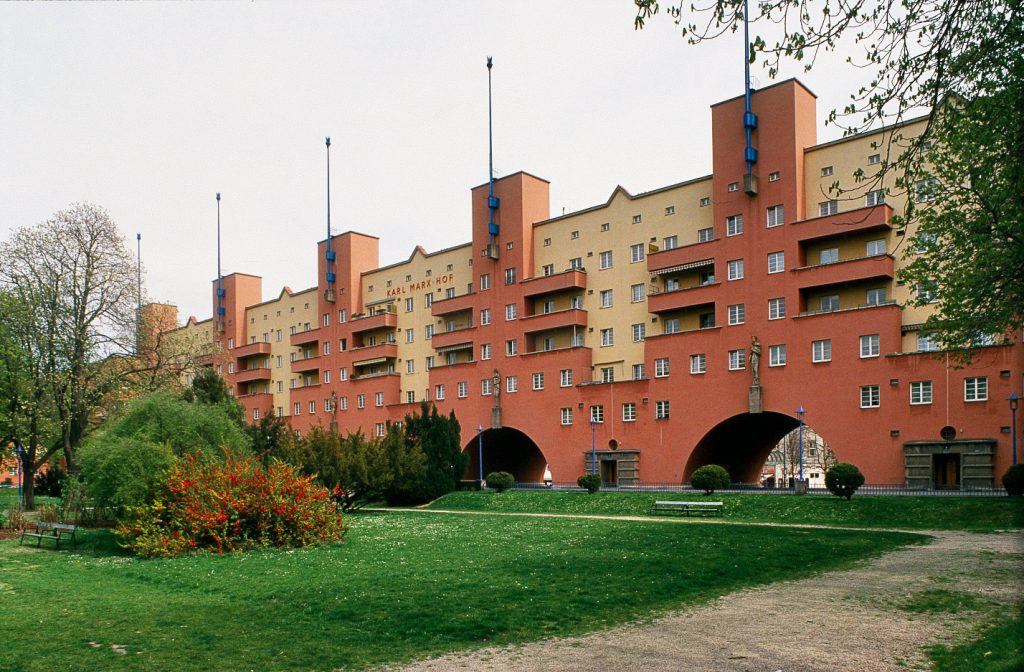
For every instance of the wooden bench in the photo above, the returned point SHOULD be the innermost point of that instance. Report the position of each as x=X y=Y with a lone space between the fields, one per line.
x=53 y=531
x=688 y=508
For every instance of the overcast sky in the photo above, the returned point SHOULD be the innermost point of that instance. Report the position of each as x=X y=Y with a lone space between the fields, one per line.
x=149 y=109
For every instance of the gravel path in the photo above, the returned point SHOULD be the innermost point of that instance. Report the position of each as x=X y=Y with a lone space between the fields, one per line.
x=842 y=620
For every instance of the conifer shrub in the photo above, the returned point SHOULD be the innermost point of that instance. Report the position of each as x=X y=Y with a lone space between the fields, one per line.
x=1013 y=480
x=843 y=479
x=709 y=478
x=589 y=482
x=500 y=480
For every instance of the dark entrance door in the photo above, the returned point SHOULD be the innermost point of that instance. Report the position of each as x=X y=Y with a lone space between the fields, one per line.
x=610 y=472
x=946 y=470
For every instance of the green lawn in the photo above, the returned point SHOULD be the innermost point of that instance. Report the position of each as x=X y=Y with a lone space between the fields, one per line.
x=976 y=514
x=402 y=586
x=1000 y=649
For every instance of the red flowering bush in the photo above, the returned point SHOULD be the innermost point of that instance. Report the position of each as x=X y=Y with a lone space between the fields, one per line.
x=233 y=505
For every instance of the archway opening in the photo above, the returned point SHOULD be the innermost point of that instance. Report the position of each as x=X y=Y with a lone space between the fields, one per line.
x=741 y=444
x=506 y=449
x=789 y=460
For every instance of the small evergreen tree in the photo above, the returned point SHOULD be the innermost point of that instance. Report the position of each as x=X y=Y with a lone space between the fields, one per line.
x=1013 y=480
x=709 y=478
x=500 y=480
x=843 y=479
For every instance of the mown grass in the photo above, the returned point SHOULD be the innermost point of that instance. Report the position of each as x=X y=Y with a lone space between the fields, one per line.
x=402 y=586
x=999 y=649
x=975 y=514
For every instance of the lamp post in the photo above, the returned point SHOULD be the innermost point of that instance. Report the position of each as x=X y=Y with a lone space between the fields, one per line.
x=593 y=443
x=800 y=414
x=18 y=454
x=1014 y=401
x=480 y=452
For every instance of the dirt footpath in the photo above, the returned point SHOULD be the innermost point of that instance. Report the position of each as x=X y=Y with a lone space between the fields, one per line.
x=845 y=620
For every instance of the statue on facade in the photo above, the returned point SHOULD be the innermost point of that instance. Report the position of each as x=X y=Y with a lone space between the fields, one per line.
x=755 y=361
x=496 y=386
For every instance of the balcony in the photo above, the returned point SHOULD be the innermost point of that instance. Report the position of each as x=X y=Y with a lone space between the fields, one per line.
x=453 y=305
x=560 y=354
x=384 y=320
x=307 y=364
x=249 y=375
x=573 y=317
x=682 y=258
x=557 y=282
x=680 y=299
x=304 y=337
x=372 y=354
x=878 y=267
x=862 y=220
x=252 y=349
x=455 y=337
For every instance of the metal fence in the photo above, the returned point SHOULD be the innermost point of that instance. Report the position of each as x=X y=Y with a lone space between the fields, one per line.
x=743 y=488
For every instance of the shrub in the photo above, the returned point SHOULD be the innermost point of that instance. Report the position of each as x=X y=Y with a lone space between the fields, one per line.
x=49 y=483
x=1013 y=480
x=48 y=513
x=16 y=520
x=120 y=473
x=233 y=506
x=589 y=482
x=500 y=480
x=843 y=479
x=709 y=478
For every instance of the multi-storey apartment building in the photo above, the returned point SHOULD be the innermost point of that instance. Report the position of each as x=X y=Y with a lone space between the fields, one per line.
x=645 y=336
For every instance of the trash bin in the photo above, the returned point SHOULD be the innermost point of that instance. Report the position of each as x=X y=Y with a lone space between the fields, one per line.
x=801 y=486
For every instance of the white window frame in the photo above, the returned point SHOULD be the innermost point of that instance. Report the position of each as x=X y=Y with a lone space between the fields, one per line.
x=776 y=262
x=597 y=414
x=870 y=346
x=976 y=388
x=537 y=380
x=661 y=367
x=639 y=332
x=775 y=216
x=662 y=409
x=636 y=253
x=734 y=269
x=734 y=225
x=826 y=208
x=629 y=411
x=870 y=396
x=737 y=360
x=607 y=337
x=566 y=416
x=605 y=260
x=565 y=378
x=821 y=350
x=607 y=298
x=698 y=363
x=777 y=355
x=777 y=308
x=737 y=314
x=921 y=393
x=637 y=293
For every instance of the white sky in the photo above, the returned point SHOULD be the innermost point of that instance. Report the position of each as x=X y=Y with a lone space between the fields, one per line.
x=148 y=109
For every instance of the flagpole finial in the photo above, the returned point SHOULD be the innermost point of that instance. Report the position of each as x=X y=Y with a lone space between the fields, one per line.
x=218 y=195
x=328 y=141
x=489 y=62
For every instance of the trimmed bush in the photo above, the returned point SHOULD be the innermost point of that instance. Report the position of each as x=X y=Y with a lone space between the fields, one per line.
x=120 y=473
x=500 y=480
x=843 y=479
x=709 y=478
x=589 y=482
x=1013 y=480
x=49 y=483
x=233 y=506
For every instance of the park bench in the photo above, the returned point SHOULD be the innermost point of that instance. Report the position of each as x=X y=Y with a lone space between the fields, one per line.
x=53 y=531
x=688 y=508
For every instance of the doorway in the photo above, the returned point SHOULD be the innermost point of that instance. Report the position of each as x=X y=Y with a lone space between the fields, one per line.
x=946 y=470
x=609 y=472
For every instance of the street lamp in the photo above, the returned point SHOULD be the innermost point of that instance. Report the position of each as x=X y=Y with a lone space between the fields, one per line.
x=1014 y=401
x=480 y=452
x=593 y=442
x=19 y=454
x=800 y=414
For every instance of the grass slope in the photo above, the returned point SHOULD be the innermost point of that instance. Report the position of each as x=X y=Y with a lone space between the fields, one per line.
x=975 y=514
x=402 y=586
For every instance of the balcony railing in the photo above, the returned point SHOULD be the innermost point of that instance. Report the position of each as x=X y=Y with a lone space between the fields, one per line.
x=695 y=255
x=572 y=317
x=306 y=364
x=304 y=337
x=556 y=282
x=249 y=375
x=382 y=320
x=447 y=339
x=878 y=267
x=861 y=220
x=252 y=349
x=453 y=305
x=680 y=299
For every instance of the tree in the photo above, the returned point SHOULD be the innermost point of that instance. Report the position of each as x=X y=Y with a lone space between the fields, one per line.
x=210 y=389
x=960 y=63
x=439 y=438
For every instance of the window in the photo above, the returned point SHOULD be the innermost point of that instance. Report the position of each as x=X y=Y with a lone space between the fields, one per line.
x=828 y=303
x=428 y=332
x=378 y=398
x=606 y=298
x=511 y=348
x=607 y=337
x=734 y=225
x=327 y=376
x=547 y=242
x=510 y=276
x=449 y=293
x=661 y=367
x=826 y=171
x=706 y=235
x=485 y=387
x=707 y=320
x=297 y=408
x=636 y=253
x=576 y=302
x=639 y=371
x=462 y=390
x=661 y=409
x=597 y=413
x=636 y=219
x=607 y=374
x=924 y=241
x=629 y=411
x=410 y=366
x=776 y=262
x=428 y=300
x=511 y=384
x=671 y=242
x=576 y=262
x=736 y=314
x=639 y=332
x=698 y=363
x=828 y=208
x=510 y=311
x=605 y=226
x=548 y=269
x=777 y=355
x=925 y=190
x=538 y=381
x=312 y=407
x=873 y=159
x=410 y=304
x=671 y=326
x=485 y=281
x=704 y=202
x=927 y=291
x=927 y=343
x=735 y=269
x=976 y=389
x=671 y=284
x=777 y=308
x=278 y=335
x=485 y=351
x=378 y=429
x=410 y=335
x=231 y=367
x=430 y=362
x=775 y=216
x=829 y=255
x=485 y=316
x=279 y=361
x=737 y=360
x=255 y=414
x=869 y=345
x=670 y=210
x=605 y=260
x=344 y=403
x=566 y=416
x=821 y=351
x=637 y=293
x=773 y=177
x=876 y=297
x=874 y=248
x=439 y=392
x=921 y=392
x=870 y=396
x=734 y=186
x=876 y=197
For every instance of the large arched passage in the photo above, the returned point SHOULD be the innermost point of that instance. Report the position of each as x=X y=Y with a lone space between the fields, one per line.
x=506 y=449
x=741 y=444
